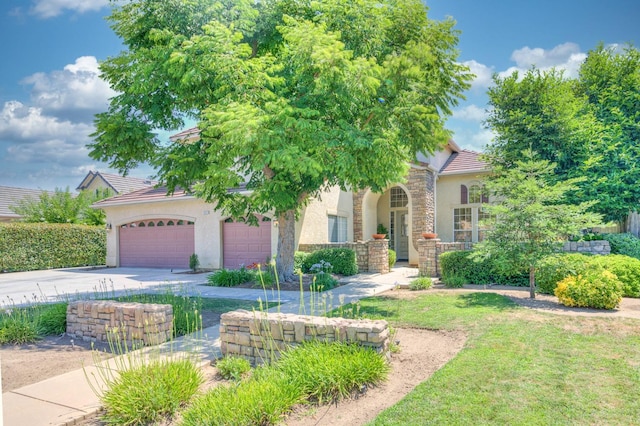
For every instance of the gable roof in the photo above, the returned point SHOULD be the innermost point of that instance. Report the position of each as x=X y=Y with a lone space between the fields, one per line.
x=10 y=196
x=464 y=161
x=119 y=184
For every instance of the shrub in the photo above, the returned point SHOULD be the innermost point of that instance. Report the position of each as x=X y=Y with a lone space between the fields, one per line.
x=194 y=262
x=233 y=367
x=33 y=246
x=454 y=281
x=598 y=289
x=299 y=259
x=332 y=371
x=626 y=244
x=392 y=258
x=147 y=393
x=323 y=281
x=459 y=267
x=343 y=260
x=52 y=319
x=552 y=269
x=262 y=400
x=231 y=277
x=626 y=268
x=421 y=283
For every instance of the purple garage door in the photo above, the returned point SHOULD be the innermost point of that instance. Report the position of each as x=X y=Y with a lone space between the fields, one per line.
x=157 y=243
x=243 y=244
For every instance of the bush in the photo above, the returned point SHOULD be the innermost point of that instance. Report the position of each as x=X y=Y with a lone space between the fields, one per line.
x=299 y=259
x=323 y=281
x=233 y=367
x=147 y=393
x=421 y=283
x=598 y=289
x=52 y=319
x=34 y=246
x=332 y=371
x=231 y=277
x=343 y=260
x=626 y=268
x=392 y=258
x=553 y=269
x=626 y=244
x=458 y=267
x=262 y=400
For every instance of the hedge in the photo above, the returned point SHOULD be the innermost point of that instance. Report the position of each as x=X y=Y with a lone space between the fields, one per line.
x=34 y=246
x=342 y=260
x=627 y=244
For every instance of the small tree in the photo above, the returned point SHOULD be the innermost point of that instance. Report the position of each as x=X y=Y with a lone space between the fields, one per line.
x=62 y=207
x=530 y=217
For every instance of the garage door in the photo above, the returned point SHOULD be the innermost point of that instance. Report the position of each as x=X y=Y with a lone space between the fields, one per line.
x=157 y=243
x=244 y=244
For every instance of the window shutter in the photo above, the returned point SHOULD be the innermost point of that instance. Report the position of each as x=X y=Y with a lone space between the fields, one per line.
x=464 y=194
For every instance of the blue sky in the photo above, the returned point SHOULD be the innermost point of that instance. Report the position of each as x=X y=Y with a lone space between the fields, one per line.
x=50 y=88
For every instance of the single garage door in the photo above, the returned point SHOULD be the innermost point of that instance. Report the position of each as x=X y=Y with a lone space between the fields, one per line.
x=243 y=244
x=157 y=243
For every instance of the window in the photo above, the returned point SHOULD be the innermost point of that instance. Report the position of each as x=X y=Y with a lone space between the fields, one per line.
x=462 y=225
x=483 y=215
x=397 y=197
x=337 y=229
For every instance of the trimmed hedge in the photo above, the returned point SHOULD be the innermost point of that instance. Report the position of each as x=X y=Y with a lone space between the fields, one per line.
x=626 y=268
x=34 y=246
x=342 y=260
x=458 y=268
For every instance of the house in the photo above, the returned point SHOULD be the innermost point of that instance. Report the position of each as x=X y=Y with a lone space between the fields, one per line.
x=10 y=196
x=442 y=193
x=96 y=181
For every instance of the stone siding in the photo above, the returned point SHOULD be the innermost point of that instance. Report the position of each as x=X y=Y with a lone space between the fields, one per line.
x=96 y=320
x=421 y=186
x=593 y=247
x=260 y=337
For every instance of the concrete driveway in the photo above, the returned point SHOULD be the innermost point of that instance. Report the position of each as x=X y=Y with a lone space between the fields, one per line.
x=51 y=285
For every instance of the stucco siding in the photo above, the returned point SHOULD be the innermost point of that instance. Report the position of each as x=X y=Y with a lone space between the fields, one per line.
x=313 y=225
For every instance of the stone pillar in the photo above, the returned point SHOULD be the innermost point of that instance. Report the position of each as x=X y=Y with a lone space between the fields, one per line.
x=427 y=257
x=357 y=215
x=378 y=256
x=421 y=185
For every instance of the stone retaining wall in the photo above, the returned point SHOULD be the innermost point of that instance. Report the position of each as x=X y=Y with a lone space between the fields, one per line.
x=594 y=247
x=260 y=337
x=95 y=320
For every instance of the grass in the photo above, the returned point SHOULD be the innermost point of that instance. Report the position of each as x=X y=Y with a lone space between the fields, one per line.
x=519 y=367
x=27 y=324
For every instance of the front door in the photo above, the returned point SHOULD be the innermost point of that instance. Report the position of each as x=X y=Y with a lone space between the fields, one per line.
x=399 y=233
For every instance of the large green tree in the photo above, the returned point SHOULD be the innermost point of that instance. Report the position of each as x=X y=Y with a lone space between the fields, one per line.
x=530 y=214
x=292 y=97
x=589 y=126
x=610 y=80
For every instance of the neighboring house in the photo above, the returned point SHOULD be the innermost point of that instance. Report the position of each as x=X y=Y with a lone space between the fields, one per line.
x=443 y=193
x=10 y=196
x=96 y=181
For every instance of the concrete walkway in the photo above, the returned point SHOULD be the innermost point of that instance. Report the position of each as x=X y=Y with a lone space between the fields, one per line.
x=68 y=398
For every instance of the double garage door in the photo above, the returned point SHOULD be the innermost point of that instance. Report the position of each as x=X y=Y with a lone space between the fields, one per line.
x=168 y=243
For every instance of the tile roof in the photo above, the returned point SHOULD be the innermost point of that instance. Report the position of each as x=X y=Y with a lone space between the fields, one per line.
x=464 y=161
x=120 y=184
x=186 y=135
x=10 y=196
x=145 y=195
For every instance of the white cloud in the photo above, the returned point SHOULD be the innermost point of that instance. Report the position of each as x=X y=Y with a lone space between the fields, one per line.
x=470 y=113
x=75 y=92
x=482 y=72
x=51 y=8
x=566 y=56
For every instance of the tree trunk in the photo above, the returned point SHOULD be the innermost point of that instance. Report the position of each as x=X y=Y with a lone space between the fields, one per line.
x=532 y=282
x=286 y=245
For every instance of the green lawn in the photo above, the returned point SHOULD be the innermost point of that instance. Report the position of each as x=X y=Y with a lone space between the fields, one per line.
x=518 y=367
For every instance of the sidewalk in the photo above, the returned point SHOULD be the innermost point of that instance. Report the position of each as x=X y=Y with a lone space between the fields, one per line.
x=68 y=398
